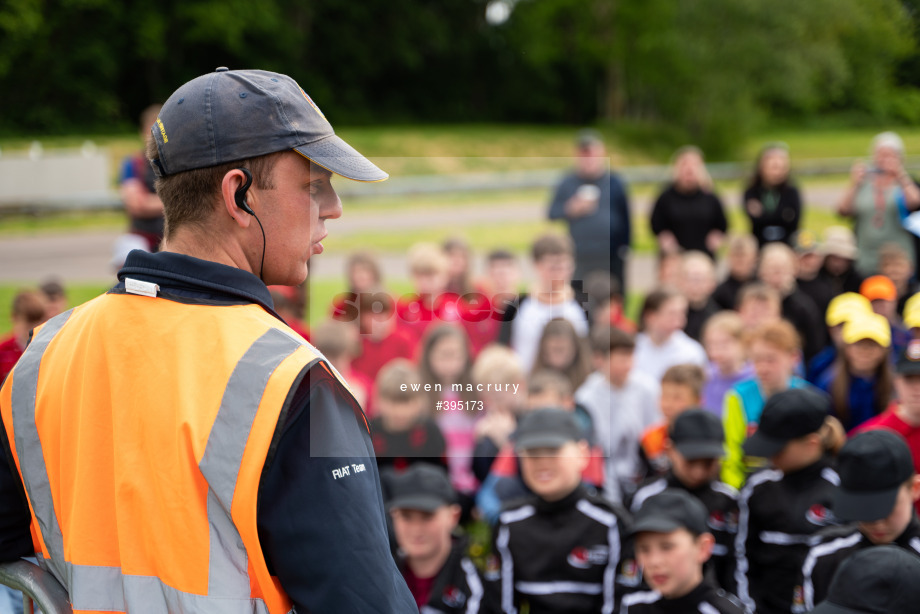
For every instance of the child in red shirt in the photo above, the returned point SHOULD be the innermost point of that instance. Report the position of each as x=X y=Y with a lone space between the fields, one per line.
x=903 y=415
x=29 y=309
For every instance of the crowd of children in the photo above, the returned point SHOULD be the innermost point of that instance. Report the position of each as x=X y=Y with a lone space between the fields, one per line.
x=695 y=460
x=687 y=462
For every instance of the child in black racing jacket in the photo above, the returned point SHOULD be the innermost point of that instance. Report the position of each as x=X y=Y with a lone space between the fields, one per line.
x=433 y=561
x=562 y=550
x=694 y=447
x=878 y=488
x=781 y=509
x=672 y=543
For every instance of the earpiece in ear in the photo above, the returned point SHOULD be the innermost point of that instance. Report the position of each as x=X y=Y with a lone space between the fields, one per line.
x=240 y=195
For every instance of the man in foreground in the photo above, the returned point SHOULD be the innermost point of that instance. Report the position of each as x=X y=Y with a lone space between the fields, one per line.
x=180 y=447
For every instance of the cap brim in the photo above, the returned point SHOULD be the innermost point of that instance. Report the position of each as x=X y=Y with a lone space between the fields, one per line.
x=425 y=503
x=864 y=506
x=826 y=607
x=761 y=446
x=693 y=450
x=905 y=368
x=337 y=156
x=655 y=524
x=541 y=440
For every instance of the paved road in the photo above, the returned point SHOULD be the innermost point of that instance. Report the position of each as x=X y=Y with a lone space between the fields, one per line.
x=84 y=256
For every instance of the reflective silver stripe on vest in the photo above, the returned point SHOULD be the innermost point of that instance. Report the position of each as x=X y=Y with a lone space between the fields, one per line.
x=28 y=445
x=223 y=456
x=107 y=588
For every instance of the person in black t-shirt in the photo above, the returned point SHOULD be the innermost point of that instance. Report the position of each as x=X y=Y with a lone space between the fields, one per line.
x=771 y=201
x=688 y=215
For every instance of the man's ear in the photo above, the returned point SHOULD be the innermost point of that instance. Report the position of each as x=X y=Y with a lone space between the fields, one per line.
x=229 y=185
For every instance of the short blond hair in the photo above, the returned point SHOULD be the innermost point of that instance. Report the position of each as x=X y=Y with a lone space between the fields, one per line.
x=497 y=364
x=729 y=322
x=393 y=377
x=426 y=258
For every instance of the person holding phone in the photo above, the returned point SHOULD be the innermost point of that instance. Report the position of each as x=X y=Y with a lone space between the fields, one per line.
x=875 y=199
x=594 y=202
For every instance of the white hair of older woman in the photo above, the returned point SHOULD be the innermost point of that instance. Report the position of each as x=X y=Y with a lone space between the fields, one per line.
x=890 y=140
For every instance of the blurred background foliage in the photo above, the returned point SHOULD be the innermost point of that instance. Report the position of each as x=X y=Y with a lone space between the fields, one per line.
x=661 y=71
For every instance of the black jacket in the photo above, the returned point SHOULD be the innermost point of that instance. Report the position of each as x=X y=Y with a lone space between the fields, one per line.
x=779 y=516
x=726 y=293
x=458 y=587
x=835 y=545
x=324 y=539
x=705 y=598
x=802 y=312
x=690 y=217
x=568 y=556
x=696 y=318
x=849 y=281
x=721 y=501
x=779 y=213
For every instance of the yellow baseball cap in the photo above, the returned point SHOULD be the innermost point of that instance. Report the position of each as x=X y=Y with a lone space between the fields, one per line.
x=912 y=315
x=844 y=306
x=912 y=303
x=867 y=326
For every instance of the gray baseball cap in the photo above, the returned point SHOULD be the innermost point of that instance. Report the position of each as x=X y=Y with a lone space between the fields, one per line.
x=230 y=115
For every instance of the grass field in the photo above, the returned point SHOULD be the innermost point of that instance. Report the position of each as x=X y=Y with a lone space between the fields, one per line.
x=421 y=149
x=417 y=149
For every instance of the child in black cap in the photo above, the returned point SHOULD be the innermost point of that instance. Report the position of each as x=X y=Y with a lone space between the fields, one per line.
x=559 y=550
x=878 y=488
x=878 y=580
x=432 y=561
x=672 y=544
x=781 y=509
x=694 y=448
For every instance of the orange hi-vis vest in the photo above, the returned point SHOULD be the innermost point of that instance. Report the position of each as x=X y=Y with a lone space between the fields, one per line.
x=140 y=427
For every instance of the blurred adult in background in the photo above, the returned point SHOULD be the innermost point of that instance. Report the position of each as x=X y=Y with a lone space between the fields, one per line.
x=143 y=206
x=688 y=215
x=594 y=203
x=771 y=200
x=878 y=198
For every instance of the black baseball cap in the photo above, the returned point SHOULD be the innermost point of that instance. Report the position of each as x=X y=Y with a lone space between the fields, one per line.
x=787 y=415
x=422 y=486
x=909 y=361
x=670 y=510
x=877 y=580
x=697 y=433
x=230 y=115
x=872 y=467
x=546 y=428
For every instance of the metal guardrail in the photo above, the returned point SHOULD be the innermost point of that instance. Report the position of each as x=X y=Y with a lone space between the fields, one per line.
x=38 y=587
